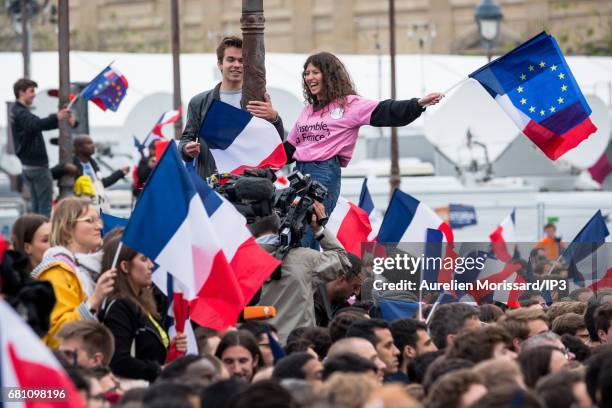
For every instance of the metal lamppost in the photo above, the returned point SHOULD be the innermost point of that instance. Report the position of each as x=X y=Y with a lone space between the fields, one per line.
x=65 y=138
x=253 y=51
x=395 y=177
x=488 y=17
x=176 y=65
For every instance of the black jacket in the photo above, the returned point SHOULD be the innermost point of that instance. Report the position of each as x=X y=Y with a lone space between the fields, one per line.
x=27 y=135
x=58 y=171
x=198 y=107
x=139 y=350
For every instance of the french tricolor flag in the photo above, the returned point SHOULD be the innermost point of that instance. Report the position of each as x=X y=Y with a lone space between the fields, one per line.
x=201 y=240
x=409 y=220
x=496 y=271
x=239 y=140
x=503 y=239
x=350 y=224
x=178 y=313
x=156 y=133
x=589 y=256
x=25 y=363
x=366 y=202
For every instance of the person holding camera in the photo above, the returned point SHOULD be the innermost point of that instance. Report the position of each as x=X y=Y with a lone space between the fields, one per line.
x=302 y=272
x=324 y=135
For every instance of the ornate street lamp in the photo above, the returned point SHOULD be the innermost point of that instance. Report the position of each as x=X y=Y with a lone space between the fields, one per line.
x=488 y=17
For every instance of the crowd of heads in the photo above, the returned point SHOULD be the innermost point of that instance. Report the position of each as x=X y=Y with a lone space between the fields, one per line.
x=537 y=355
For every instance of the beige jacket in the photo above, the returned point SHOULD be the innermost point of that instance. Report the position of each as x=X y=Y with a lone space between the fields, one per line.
x=303 y=269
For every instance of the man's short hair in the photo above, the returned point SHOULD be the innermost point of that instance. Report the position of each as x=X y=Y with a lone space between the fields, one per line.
x=499 y=372
x=292 y=366
x=442 y=366
x=560 y=308
x=541 y=340
x=575 y=294
x=418 y=366
x=577 y=347
x=449 y=319
x=96 y=338
x=550 y=225
x=506 y=396
x=365 y=329
x=227 y=42
x=347 y=363
x=448 y=390
x=603 y=316
x=22 y=85
x=404 y=333
x=598 y=378
x=355 y=269
x=569 y=323
x=556 y=390
x=516 y=321
x=341 y=322
x=269 y=224
x=477 y=345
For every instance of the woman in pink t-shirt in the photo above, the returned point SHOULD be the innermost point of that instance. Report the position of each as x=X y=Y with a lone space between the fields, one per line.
x=324 y=135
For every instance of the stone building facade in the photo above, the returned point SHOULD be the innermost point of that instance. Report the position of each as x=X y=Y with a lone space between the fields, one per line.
x=303 y=26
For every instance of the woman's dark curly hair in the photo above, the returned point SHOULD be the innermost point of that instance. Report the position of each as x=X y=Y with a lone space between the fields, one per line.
x=337 y=83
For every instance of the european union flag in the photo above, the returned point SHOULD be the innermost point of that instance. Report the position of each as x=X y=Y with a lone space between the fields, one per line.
x=106 y=90
x=534 y=85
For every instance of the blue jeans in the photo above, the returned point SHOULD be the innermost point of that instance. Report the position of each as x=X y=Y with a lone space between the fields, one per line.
x=326 y=172
x=41 y=188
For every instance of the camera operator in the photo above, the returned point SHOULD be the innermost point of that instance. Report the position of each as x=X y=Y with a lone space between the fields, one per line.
x=303 y=271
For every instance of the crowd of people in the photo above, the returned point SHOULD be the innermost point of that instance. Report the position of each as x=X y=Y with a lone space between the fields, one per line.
x=92 y=301
x=108 y=328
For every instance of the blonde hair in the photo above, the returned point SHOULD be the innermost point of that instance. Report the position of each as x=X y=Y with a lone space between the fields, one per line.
x=348 y=390
x=66 y=212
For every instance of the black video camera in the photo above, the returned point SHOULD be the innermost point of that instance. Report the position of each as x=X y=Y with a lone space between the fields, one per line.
x=251 y=193
x=294 y=204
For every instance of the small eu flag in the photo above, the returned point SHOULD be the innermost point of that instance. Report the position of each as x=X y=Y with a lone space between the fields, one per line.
x=106 y=90
x=535 y=87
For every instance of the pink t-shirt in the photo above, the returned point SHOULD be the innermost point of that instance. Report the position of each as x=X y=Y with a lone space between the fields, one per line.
x=331 y=131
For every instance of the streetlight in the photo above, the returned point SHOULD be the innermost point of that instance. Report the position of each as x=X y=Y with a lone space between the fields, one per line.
x=423 y=32
x=488 y=17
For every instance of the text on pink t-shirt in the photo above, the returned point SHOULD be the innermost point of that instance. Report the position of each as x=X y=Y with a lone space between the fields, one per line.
x=332 y=131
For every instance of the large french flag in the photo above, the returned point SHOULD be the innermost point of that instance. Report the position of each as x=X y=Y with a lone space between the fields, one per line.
x=589 y=256
x=409 y=220
x=534 y=85
x=350 y=224
x=503 y=239
x=26 y=363
x=219 y=266
x=366 y=202
x=239 y=140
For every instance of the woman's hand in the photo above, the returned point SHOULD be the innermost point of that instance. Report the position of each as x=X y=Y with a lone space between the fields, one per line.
x=181 y=342
x=430 y=99
x=104 y=287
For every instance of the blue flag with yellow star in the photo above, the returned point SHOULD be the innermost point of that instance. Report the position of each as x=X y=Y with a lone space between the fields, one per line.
x=535 y=87
x=106 y=90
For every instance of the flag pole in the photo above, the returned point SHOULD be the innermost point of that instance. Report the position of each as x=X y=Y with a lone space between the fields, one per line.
x=86 y=86
x=456 y=84
x=116 y=258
